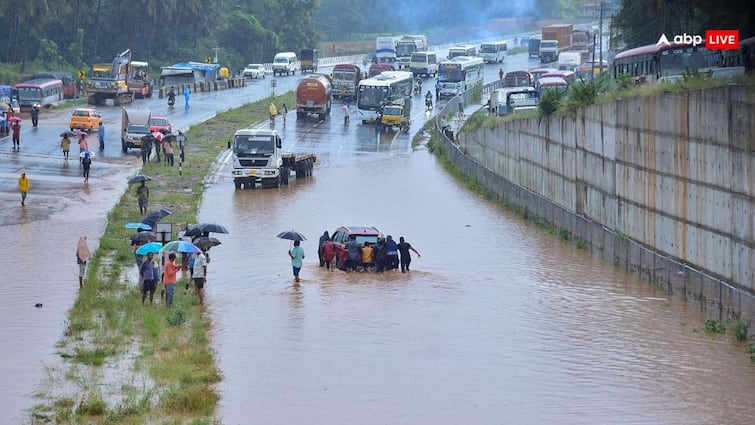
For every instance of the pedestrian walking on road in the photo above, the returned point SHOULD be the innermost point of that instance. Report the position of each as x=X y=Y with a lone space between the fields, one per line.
x=187 y=95
x=500 y=74
x=65 y=146
x=345 y=109
x=86 y=164
x=406 y=258
x=83 y=146
x=23 y=187
x=297 y=259
x=142 y=196
x=146 y=147
x=101 y=135
x=285 y=112
x=16 y=127
x=82 y=256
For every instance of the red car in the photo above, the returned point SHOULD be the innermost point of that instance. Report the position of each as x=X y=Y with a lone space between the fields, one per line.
x=341 y=236
x=159 y=123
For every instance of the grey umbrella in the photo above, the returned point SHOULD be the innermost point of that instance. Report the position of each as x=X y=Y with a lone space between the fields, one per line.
x=155 y=216
x=291 y=235
x=206 y=242
x=139 y=178
x=143 y=237
x=205 y=229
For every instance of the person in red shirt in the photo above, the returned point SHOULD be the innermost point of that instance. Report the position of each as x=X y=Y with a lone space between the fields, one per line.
x=16 y=135
x=328 y=253
x=169 y=277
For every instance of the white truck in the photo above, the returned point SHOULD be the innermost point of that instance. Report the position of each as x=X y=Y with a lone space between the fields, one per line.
x=258 y=158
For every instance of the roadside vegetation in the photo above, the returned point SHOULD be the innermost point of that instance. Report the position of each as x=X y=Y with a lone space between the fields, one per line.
x=129 y=364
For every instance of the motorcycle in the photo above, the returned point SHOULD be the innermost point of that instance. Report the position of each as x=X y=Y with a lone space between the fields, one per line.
x=429 y=103
x=171 y=99
x=417 y=88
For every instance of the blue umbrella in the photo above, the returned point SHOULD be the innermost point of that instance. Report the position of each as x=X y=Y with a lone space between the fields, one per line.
x=153 y=247
x=181 y=246
x=144 y=226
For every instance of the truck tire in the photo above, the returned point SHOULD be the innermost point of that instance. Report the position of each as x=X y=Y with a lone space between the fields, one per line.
x=321 y=117
x=285 y=172
x=237 y=183
x=277 y=183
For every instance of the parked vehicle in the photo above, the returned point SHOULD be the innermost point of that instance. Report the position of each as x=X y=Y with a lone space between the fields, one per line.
x=308 y=60
x=555 y=39
x=159 y=123
x=134 y=126
x=258 y=158
x=139 y=82
x=285 y=62
x=341 y=235
x=254 y=70
x=42 y=91
x=70 y=86
x=548 y=83
x=85 y=119
x=110 y=82
x=517 y=79
x=314 y=95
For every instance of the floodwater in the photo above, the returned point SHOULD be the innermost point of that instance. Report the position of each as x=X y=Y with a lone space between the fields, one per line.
x=498 y=321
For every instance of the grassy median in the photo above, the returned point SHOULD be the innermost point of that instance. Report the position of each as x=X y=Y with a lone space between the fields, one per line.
x=128 y=364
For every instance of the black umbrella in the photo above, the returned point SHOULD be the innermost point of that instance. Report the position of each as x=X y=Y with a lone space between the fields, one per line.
x=66 y=133
x=143 y=237
x=155 y=216
x=199 y=229
x=165 y=131
x=139 y=178
x=291 y=235
x=205 y=242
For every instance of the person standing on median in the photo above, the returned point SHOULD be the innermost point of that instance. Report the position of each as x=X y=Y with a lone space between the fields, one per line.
x=147 y=273
x=169 y=278
x=199 y=274
x=142 y=196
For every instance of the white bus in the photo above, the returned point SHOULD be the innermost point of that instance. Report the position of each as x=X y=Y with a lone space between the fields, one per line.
x=424 y=63
x=383 y=89
x=462 y=50
x=385 y=49
x=458 y=75
x=494 y=52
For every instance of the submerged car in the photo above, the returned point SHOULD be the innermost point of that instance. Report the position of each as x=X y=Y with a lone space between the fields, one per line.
x=341 y=236
x=254 y=70
x=85 y=119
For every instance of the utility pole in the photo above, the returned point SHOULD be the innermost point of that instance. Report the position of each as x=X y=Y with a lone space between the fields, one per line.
x=600 y=35
x=215 y=59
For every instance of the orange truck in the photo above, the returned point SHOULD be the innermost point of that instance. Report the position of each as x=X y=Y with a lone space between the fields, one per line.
x=314 y=96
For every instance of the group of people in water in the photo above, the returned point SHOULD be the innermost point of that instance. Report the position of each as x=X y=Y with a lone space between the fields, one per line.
x=383 y=255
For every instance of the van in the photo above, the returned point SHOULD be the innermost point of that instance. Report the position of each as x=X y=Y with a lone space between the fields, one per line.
x=285 y=62
x=424 y=63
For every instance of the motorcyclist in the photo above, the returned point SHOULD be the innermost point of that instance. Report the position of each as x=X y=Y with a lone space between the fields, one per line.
x=429 y=100
x=171 y=96
x=34 y=114
x=418 y=87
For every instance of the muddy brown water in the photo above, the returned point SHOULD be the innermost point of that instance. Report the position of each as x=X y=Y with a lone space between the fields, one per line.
x=498 y=321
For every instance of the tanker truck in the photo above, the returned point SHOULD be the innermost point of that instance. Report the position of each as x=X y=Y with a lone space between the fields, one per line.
x=314 y=96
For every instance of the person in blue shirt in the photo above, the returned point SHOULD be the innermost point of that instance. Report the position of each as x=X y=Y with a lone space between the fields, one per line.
x=391 y=253
x=187 y=95
x=297 y=258
x=101 y=135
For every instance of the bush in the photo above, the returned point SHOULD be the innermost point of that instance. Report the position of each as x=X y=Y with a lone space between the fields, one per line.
x=714 y=326
x=741 y=328
x=549 y=101
x=177 y=317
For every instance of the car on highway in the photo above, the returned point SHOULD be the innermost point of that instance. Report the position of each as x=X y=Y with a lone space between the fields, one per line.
x=341 y=236
x=159 y=123
x=85 y=119
x=254 y=70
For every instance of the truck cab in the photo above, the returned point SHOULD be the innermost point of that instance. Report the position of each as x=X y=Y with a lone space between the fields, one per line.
x=256 y=157
x=548 y=51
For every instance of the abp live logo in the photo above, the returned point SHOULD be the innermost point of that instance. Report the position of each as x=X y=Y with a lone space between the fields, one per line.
x=714 y=39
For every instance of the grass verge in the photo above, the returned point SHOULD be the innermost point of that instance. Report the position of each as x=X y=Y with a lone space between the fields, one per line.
x=128 y=364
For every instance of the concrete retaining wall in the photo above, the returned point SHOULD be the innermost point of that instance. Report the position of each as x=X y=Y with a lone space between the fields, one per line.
x=663 y=186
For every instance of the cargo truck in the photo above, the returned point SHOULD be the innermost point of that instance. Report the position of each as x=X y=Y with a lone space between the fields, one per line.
x=561 y=34
x=258 y=158
x=134 y=126
x=314 y=95
x=308 y=60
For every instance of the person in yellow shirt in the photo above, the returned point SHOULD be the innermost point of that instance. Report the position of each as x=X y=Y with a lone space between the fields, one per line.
x=23 y=186
x=367 y=261
x=273 y=112
x=65 y=146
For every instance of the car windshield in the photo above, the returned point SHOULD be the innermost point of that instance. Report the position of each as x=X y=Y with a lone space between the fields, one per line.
x=254 y=144
x=253 y=66
x=138 y=128
x=281 y=60
x=392 y=110
x=81 y=113
x=158 y=122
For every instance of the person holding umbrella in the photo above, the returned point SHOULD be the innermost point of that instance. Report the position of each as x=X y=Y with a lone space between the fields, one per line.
x=65 y=145
x=142 y=196
x=297 y=258
x=147 y=273
x=16 y=127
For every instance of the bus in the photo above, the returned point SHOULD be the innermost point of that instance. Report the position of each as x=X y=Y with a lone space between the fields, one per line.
x=458 y=75
x=380 y=90
x=70 y=85
x=43 y=91
x=346 y=78
x=462 y=50
x=493 y=52
x=653 y=63
x=385 y=49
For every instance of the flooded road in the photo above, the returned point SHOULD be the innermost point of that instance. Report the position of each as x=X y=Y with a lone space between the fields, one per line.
x=498 y=321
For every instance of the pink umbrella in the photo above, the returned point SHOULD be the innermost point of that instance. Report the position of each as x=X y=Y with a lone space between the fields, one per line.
x=79 y=133
x=157 y=135
x=14 y=118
